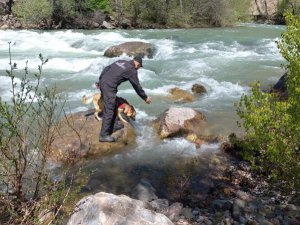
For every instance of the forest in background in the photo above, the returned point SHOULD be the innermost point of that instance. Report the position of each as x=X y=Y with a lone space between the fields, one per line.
x=139 y=13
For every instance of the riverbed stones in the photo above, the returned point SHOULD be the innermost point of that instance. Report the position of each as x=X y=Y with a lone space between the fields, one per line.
x=77 y=137
x=131 y=49
x=160 y=205
x=174 y=211
x=179 y=120
x=144 y=191
x=109 y=209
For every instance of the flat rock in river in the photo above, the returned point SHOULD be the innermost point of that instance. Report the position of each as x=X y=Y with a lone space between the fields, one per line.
x=77 y=137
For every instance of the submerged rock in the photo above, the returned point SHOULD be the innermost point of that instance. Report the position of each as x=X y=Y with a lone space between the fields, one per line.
x=131 y=49
x=144 y=191
x=179 y=95
x=180 y=120
x=78 y=137
x=108 y=209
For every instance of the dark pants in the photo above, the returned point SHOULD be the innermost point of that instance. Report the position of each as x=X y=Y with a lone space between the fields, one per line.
x=109 y=113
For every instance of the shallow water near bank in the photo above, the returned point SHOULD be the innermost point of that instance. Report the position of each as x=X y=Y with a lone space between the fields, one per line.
x=224 y=60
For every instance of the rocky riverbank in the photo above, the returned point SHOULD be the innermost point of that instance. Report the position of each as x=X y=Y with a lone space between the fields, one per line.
x=235 y=196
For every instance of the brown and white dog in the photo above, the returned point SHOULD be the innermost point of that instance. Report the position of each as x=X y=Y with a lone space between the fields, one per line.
x=122 y=107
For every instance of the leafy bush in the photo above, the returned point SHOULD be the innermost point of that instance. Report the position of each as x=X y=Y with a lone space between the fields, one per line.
x=100 y=4
x=33 y=11
x=273 y=126
x=181 y=13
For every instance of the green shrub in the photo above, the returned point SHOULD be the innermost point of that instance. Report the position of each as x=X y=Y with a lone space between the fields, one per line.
x=28 y=126
x=184 y=13
x=273 y=126
x=33 y=11
x=100 y=4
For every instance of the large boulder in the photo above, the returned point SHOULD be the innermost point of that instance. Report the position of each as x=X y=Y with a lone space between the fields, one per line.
x=179 y=95
x=131 y=49
x=78 y=137
x=108 y=209
x=180 y=120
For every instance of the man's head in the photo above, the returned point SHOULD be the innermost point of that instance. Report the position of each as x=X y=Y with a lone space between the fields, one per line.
x=138 y=62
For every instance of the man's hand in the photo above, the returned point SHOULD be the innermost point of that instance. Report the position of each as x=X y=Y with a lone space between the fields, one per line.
x=148 y=100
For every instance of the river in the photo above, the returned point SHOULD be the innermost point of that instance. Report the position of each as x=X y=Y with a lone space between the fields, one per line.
x=224 y=60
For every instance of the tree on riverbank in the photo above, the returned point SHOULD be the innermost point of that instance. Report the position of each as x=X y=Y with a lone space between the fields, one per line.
x=273 y=126
x=136 y=13
x=184 y=13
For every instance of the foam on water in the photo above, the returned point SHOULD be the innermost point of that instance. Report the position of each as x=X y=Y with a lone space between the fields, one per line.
x=165 y=49
x=222 y=90
x=74 y=65
x=142 y=115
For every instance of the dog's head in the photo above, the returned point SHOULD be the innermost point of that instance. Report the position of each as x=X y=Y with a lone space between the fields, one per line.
x=129 y=111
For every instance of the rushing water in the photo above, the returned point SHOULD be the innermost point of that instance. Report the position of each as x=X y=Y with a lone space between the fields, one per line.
x=224 y=60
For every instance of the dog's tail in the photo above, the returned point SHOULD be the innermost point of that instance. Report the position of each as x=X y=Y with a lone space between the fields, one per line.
x=86 y=100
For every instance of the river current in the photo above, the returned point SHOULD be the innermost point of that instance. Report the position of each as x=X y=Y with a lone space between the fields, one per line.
x=224 y=60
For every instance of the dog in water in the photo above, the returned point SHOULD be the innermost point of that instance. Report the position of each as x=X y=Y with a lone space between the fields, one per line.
x=123 y=107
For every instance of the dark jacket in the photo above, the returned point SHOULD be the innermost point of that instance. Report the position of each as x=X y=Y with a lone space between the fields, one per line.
x=118 y=72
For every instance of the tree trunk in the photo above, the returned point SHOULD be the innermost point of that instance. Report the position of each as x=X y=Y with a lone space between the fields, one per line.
x=181 y=7
x=9 y=4
x=258 y=8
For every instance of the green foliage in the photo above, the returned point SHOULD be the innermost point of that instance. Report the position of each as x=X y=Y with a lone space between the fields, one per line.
x=65 y=11
x=240 y=9
x=100 y=4
x=27 y=130
x=33 y=11
x=289 y=5
x=182 y=13
x=185 y=13
x=273 y=126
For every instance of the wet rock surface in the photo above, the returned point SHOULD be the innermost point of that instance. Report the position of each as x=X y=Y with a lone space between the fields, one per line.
x=78 y=138
x=199 y=89
x=181 y=96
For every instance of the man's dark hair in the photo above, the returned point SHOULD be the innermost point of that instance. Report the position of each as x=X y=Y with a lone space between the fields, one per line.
x=139 y=60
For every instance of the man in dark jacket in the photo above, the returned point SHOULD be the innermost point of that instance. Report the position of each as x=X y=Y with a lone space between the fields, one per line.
x=111 y=77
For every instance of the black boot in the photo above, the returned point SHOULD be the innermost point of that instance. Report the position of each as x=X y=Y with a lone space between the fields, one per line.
x=107 y=138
